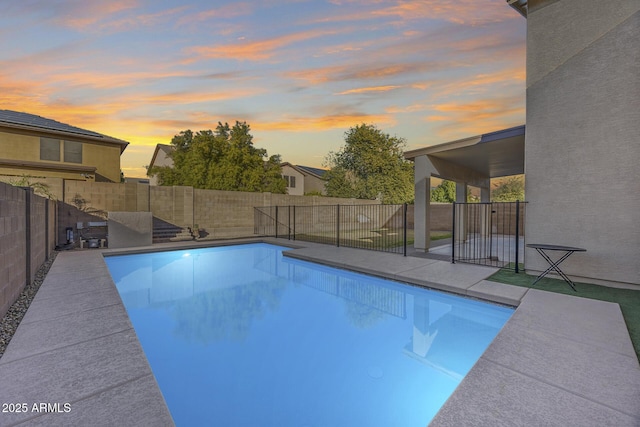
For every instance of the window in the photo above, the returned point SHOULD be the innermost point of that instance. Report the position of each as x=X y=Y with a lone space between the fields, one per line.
x=73 y=152
x=291 y=181
x=50 y=149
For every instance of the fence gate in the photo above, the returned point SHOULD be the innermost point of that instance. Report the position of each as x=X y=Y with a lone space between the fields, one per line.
x=489 y=234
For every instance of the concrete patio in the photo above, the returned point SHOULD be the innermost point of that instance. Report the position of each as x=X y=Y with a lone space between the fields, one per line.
x=560 y=360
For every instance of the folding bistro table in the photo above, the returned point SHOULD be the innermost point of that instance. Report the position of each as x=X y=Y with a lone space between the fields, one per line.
x=554 y=265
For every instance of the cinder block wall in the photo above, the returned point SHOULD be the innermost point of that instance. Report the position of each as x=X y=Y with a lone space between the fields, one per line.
x=105 y=196
x=38 y=232
x=231 y=213
x=19 y=260
x=226 y=213
x=13 y=275
x=441 y=216
x=222 y=214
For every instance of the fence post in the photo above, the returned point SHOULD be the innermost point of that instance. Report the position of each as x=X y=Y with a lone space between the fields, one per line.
x=276 y=222
x=338 y=225
x=289 y=219
x=294 y=222
x=517 y=233
x=46 y=229
x=404 y=226
x=453 y=236
x=27 y=232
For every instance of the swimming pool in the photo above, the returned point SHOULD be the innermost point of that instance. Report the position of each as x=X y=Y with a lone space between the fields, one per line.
x=240 y=335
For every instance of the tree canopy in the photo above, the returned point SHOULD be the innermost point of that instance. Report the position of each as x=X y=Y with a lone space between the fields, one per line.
x=510 y=190
x=444 y=193
x=224 y=159
x=370 y=166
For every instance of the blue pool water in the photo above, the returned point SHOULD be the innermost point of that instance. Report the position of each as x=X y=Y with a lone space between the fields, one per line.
x=242 y=336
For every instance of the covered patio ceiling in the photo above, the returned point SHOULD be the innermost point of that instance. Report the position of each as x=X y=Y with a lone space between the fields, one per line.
x=492 y=155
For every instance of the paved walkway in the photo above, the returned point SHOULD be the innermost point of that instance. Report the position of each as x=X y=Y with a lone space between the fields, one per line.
x=560 y=360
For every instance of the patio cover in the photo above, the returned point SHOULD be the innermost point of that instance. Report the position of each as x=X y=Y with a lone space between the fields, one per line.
x=470 y=161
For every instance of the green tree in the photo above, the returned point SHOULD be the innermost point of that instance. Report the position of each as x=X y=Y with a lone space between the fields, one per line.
x=370 y=166
x=510 y=190
x=444 y=193
x=224 y=159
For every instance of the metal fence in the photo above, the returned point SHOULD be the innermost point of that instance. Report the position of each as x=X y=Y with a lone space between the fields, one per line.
x=375 y=227
x=489 y=234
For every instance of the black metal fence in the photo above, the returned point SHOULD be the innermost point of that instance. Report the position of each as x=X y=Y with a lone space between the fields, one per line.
x=374 y=227
x=489 y=234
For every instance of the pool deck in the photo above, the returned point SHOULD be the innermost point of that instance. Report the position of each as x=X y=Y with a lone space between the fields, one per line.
x=560 y=360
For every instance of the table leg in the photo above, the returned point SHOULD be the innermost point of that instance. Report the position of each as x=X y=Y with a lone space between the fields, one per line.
x=554 y=266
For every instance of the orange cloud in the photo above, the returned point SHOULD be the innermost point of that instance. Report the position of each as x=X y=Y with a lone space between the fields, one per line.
x=408 y=109
x=255 y=51
x=141 y=20
x=348 y=48
x=369 y=90
x=188 y=97
x=349 y=72
x=321 y=123
x=15 y=93
x=472 y=12
x=224 y=12
x=101 y=80
x=83 y=15
x=492 y=83
x=476 y=117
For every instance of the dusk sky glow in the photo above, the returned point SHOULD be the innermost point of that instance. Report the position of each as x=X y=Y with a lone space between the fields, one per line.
x=299 y=72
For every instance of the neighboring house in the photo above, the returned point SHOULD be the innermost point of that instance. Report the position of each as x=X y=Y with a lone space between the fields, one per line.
x=303 y=179
x=579 y=149
x=34 y=146
x=160 y=158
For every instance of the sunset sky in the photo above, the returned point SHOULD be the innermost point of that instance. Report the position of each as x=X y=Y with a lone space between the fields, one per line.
x=299 y=72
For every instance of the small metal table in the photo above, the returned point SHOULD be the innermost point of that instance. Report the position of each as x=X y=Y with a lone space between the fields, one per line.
x=554 y=265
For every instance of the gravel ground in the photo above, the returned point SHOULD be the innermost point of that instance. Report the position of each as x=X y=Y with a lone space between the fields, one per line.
x=12 y=319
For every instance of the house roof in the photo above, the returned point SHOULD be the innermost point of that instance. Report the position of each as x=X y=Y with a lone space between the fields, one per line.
x=165 y=147
x=26 y=121
x=306 y=170
x=313 y=171
x=519 y=5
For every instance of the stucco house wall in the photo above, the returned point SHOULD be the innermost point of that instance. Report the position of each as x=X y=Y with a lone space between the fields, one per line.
x=307 y=179
x=299 y=189
x=582 y=136
x=314 y=184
